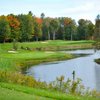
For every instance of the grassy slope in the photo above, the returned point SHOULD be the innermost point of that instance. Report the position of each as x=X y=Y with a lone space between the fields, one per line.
x=18 y=92
x=11 y=62
x=7 y=94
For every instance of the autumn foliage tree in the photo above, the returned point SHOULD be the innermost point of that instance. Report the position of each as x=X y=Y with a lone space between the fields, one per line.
x=37 y=28
x=69 y=28
x=14 y=25
x=28 y=27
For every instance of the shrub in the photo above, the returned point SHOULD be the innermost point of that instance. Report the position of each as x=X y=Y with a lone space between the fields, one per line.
x=71 y=87
x=68 y=86
x=19 y=78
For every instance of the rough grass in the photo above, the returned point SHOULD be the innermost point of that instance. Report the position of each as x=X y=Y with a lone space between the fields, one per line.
x=17 y=92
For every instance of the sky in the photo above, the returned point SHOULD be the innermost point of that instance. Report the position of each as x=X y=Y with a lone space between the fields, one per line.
x=76 y=9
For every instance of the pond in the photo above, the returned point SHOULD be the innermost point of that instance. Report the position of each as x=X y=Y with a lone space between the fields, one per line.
x=85 y=69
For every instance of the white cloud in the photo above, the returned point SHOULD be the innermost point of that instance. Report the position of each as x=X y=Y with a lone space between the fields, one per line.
x=87 y=10
x=76 y=9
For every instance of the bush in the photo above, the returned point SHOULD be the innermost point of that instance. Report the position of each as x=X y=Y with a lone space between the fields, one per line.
x=69 y=86
x=19 y=78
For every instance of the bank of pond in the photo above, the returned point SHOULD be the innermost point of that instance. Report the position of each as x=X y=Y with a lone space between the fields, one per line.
x=85 y=68
x=52 y=70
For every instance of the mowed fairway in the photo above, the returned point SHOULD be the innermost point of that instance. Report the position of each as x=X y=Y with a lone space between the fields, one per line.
x=14 y=61
x=50 y=45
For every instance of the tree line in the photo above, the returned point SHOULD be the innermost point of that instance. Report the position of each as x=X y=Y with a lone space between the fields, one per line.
x=27 y=27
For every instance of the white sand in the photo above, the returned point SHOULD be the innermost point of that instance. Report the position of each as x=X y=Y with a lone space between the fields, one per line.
x=49 y=52
x=44 y=42
x=12 y=51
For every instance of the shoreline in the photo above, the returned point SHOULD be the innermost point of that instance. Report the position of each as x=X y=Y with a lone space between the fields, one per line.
x=97 y=61
x=29 y=63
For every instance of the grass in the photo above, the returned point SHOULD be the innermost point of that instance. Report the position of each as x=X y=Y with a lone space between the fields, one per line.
x=25 y=58
x=50 y=45
x=18 y=92
x=7 y=94
x=56 y=43
x=97 y=61
x=21 y=59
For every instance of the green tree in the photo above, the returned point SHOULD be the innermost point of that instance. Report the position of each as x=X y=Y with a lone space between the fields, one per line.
x=23 y=28
x=43 y=26
x=54 y=27
x=97 y=28
x=90 y=29
x=61 y=29
x=26 y=26
x=85 y=29
x=82 y=29
x=30 y=26
x=46 y=28
x=4 y=29
x=97 y=32
x=69 y=28
x=42 y=15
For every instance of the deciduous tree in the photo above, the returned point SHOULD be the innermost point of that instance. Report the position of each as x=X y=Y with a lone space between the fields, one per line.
x=37 y=28
x=15 y=26
x=54 y=27
x=4 y=29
